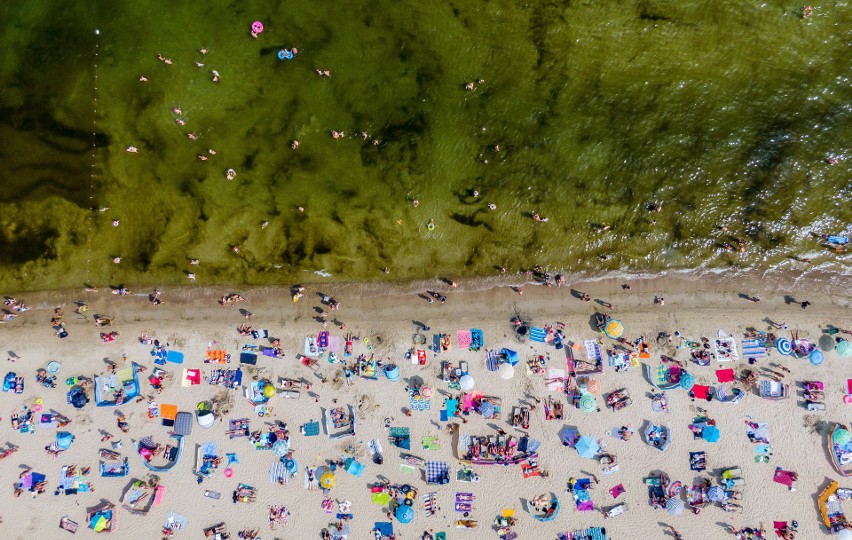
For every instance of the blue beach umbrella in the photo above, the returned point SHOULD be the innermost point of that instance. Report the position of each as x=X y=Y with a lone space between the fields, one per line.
x=587 y=447
x=405 y=514
x=844 y=349
x=816 y=357
x=687 y=381
x=487 y=409
x=784 y=346
x=710 y=434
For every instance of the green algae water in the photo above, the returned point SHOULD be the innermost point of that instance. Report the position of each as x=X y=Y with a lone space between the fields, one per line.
x=735 y=114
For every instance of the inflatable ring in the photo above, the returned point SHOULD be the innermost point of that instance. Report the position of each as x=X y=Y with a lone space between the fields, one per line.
x=409 y=495
x=405 y=489
x=426 y=392
x=229 y=472
x=408 y=502
x=257 y=27
x=430 y=226
x=847 y=399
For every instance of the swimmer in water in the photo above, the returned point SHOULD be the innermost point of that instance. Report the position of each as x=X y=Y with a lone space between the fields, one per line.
x=115 y=223
x=294 y=144
x=132 y=149
x=177 y=110
x=415 y=203
x=230 y=174
x=192 y=136
x=492 y=206
x=143 y=78
x=202 y=51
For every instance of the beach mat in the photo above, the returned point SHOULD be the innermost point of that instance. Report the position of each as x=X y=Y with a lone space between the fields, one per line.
x=248 y=358
x=464 y=339
x=175 y=357
x=538 y=334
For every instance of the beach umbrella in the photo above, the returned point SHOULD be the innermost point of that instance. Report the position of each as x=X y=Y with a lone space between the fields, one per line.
x=784 y=346
x=816 y=357
x=710 y=434
x=327 y=481
x=291 y=465
x=587 y=404
x=844 y=349
x=486 y=408
x=281 y=447
x=674 y=507
x=593 y=386
x=466 y=383
x=405 y=514
x=841 y=436
x=568 y=436
x=844 y=534
x=268 y=391
x=506 y=371
x=826 y=343
x=381 y=498
x=587 y=447
x=614 y=329
x=78 y=399
x=687 y=381
x=716 y=494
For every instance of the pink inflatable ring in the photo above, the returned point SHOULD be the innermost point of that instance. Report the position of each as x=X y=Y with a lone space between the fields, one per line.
x=229 y=472
x=257 y=27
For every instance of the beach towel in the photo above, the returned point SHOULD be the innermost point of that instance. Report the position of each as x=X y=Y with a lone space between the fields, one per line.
x=452 y=406
x=700 y=391
x=429 y=503
x=437 y=472
x=191 y=377
x=726 y=348
x=400 y=437
x=538 y=334
x=311 y=349
x=310 y=429
x=555 y=380
x=384 y=529
x=616 y=491
x=417 y=402
x=477 y=339
x=725 y=375
x=277 y=472
x=431 y=443
x=248 y=358
x=464 y=339
x=593 y=350
x=754 y=348
x=334 y=344
x=159 y=493
x=492 y=360
x=697 y=461
x=783 y=477
x=322 y=339
x=175 y=357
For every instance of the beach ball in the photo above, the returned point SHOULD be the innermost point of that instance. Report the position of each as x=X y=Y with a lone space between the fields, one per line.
x=327 y=481
x=506 y=371
x=268 y=391
x=466 y=383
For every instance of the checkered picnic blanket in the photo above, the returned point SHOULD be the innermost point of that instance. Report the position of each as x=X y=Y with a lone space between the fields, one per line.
x=435 y=470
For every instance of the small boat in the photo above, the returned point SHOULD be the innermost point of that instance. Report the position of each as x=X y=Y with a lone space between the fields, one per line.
x=841 y=454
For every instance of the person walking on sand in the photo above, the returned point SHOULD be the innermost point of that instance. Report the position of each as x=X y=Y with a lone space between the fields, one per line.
x=805 y=304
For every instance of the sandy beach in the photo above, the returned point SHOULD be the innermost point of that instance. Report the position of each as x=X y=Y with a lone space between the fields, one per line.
x=191 y=321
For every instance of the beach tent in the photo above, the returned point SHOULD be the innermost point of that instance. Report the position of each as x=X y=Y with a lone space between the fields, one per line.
x=106 y=386
x=353 y=467
x=510 y=355
x=587 y=447
x=77 y=398
x=64 y=440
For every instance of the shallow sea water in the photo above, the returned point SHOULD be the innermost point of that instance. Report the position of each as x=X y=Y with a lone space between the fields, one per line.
x=723 y=113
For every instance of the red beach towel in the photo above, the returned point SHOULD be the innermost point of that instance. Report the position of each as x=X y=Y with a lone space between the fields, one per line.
x=725 y=375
